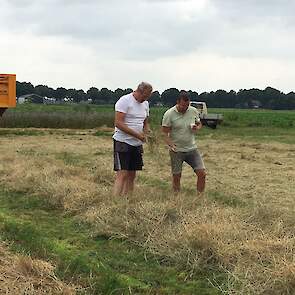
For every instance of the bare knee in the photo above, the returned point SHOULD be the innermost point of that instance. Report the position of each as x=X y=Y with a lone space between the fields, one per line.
x=122 y=175
x=176 y=178
x=131 y=175
x=201 y=173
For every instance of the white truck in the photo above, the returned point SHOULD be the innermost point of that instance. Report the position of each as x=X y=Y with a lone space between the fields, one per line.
x=210 y=120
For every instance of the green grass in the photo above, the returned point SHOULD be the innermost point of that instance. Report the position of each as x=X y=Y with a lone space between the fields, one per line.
x=153 y=182
x=258 y=118
x=17 y=132
x=71 y=120
x=103 y=133
x=227 y=200
x=64 y=108
x=105 y=265
x=261 y=125
x=72 y=159
x=263 y=135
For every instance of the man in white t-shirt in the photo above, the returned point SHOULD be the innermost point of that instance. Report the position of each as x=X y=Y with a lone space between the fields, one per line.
x=131 y=126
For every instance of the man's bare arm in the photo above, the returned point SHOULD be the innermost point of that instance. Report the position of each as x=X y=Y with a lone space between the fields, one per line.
x=166 y=131
x=146 y=126
x=120 y=123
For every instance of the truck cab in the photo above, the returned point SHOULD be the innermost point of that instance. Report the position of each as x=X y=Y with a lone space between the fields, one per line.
x=200 y=106
x=209 y=120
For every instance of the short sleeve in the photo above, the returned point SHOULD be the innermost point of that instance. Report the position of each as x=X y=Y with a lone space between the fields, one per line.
x=194 y=112
x=147 y=109
x=166 y=122
x=121 y=105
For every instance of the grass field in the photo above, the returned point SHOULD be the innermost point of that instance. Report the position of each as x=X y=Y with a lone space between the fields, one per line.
x=57 y=205
x=91 y=116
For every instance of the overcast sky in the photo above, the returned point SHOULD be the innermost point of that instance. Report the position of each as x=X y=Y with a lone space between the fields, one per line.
x=201 y=45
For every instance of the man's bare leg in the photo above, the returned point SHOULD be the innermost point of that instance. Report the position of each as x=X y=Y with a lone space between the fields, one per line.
x=201 y=175
x=129 y=184
x=176 y=182
x=120 y=182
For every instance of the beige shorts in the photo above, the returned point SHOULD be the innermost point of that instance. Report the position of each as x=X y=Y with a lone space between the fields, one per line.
x=192 y=158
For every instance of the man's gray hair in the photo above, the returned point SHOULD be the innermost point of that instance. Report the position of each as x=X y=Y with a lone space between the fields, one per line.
x=144 y=86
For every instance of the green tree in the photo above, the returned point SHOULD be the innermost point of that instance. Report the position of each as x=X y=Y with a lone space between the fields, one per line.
x=128 y=90
x=271 y=97
x=105 y=96
x=155 y=98
x=118 y=93
x=60 y=93
x=23 y=88
x=80 y=95
x=93 y=93
x=193 y=95
x=44 y=91
x=169 y=96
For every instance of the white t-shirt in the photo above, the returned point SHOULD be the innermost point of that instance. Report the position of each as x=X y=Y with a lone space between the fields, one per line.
x=136 y=113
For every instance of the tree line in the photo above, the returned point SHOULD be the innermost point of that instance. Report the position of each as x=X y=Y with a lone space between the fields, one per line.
x=269 y=98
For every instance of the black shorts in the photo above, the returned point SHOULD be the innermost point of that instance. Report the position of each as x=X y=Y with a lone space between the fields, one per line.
x=127 y=157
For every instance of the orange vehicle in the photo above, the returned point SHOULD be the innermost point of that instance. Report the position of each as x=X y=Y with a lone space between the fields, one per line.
x=7 y=92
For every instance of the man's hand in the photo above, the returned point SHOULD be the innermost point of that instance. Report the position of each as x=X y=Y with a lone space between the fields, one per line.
x=196 y=127
x=142 y=137
x=166 y=132
x=120 y=123
x=172 y=147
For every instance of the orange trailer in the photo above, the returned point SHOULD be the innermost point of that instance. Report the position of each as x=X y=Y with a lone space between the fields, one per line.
x=7 y=92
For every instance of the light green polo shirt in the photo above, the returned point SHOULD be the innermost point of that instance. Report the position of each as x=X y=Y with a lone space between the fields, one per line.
x=181 y=133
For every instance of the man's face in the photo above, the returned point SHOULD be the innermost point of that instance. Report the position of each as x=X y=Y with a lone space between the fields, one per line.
x=182 y=105
x=145 y=95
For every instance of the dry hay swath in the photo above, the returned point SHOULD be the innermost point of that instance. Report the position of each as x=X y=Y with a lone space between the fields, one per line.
x=23 y=275
x=245 y=224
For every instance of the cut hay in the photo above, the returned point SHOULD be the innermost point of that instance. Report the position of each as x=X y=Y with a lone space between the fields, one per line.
x=24 y=275
x=244 y=224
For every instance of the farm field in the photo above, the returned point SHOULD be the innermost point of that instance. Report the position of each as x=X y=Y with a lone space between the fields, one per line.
x=81 y=116
x=56 y=204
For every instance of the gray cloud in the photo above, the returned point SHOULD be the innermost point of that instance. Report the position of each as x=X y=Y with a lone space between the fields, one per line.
x=133 y=29
x=251 y=12
x=156 y=28
x=255 y=28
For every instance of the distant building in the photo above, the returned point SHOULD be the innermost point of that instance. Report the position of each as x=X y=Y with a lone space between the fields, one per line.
x=32 y=97
x=21 y=99
x=49 y=100
x=68 y=99
x=88 y=101
x=254 y=104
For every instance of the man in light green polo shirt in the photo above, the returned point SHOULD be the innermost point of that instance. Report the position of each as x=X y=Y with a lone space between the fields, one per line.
x=179 y=125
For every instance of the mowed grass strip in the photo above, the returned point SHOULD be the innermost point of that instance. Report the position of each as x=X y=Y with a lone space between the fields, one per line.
x=244 y=224
x=98 y=263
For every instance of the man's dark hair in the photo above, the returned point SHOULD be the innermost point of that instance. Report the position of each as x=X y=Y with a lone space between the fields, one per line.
x=183 y=95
